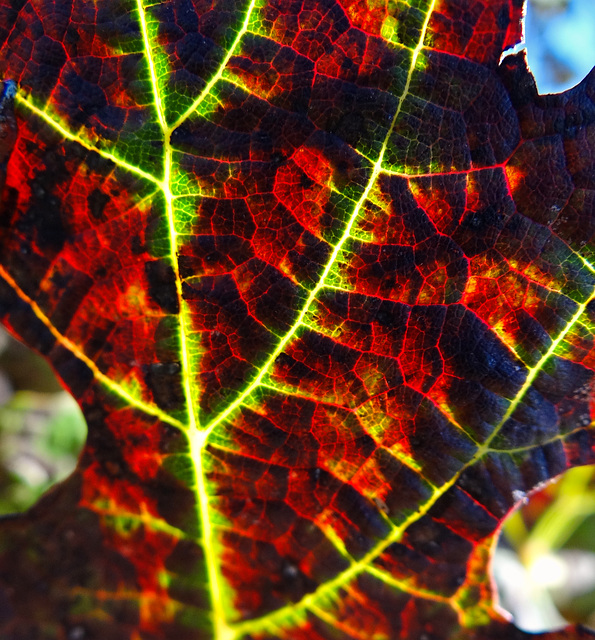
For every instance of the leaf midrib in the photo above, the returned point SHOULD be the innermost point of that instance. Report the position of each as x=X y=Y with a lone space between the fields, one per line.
x=196 y=436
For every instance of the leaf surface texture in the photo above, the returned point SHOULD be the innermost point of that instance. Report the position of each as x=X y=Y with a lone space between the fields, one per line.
x=320 y=275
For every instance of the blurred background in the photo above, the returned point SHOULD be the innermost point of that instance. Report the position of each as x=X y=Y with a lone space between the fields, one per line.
x=42 y=430
x=560 y=41
x=545 y=562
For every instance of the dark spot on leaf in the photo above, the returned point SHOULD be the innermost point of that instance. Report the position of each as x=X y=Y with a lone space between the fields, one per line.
x=162 y=285
x=305 y=181
x=165 y=383
x=97 y=200
x=503 y=18
x=136 y=245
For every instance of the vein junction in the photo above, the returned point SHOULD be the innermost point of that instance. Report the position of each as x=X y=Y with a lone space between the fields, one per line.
x=196 y=438
x=198 y=433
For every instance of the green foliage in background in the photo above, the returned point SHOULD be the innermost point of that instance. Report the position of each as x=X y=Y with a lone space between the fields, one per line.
x=42 y=430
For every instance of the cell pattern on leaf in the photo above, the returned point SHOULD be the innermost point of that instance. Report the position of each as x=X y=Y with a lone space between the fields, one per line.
x=320 y=274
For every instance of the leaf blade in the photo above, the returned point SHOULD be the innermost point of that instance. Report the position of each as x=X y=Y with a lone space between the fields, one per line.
x=314 y=501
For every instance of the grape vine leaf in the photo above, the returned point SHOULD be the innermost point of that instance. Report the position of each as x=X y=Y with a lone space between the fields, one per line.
x=320 y=275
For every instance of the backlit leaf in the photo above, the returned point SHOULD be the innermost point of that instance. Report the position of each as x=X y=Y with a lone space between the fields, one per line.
x=319 y=273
